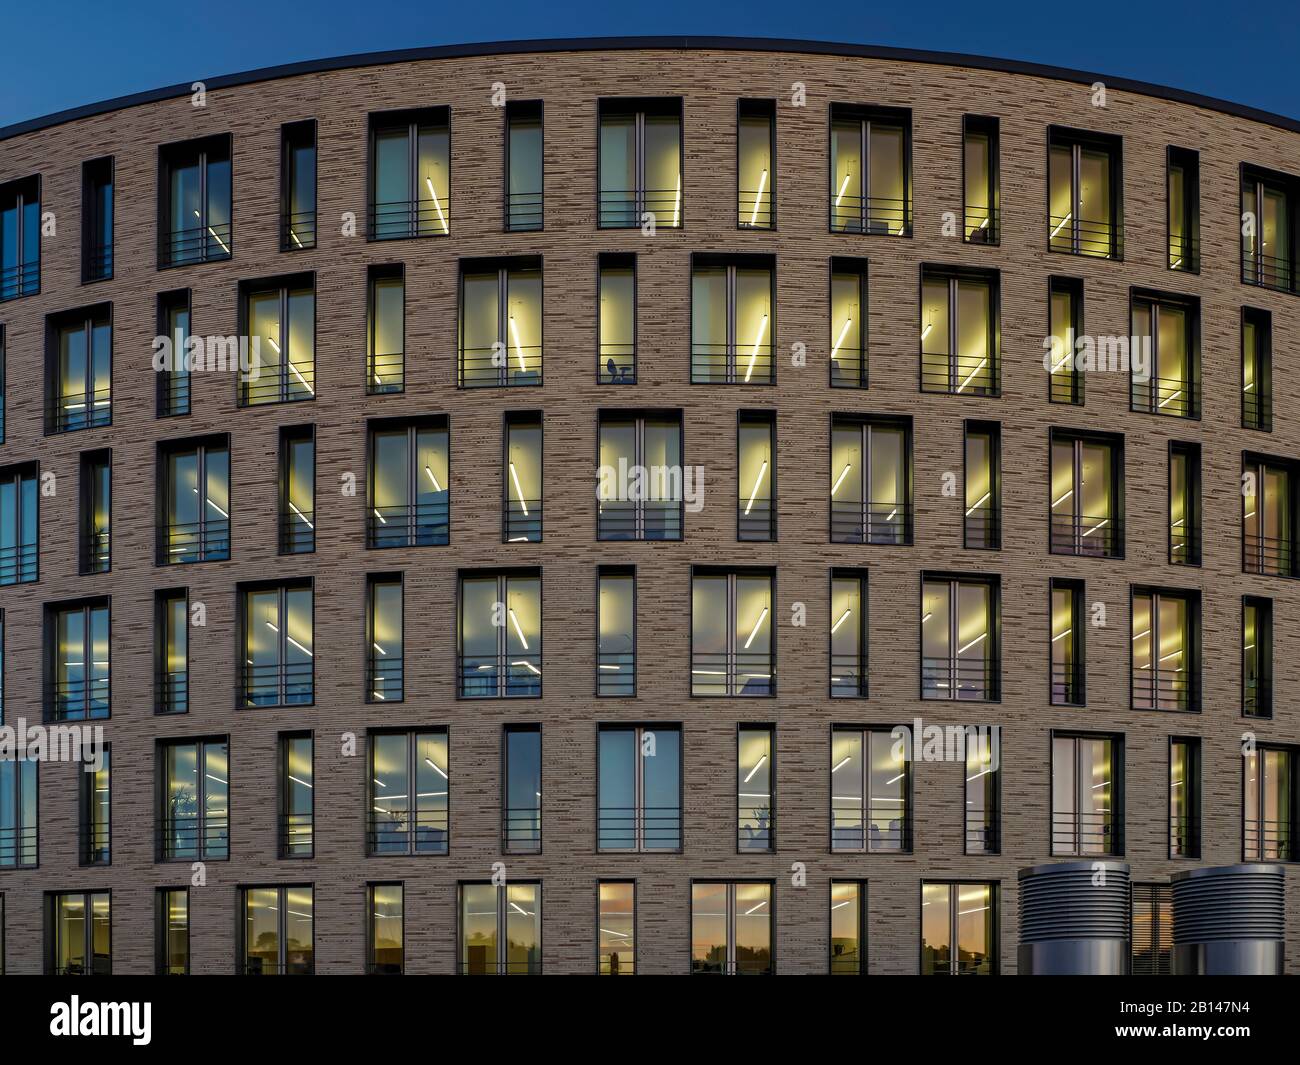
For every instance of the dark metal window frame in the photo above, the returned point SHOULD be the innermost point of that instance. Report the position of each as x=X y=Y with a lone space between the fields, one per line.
x=640 y=831
x=418 y=517
x=174 y=393
x=768 y=727
x=1073 y=287
x=1077 y=438
x=94 y=555
x=1259 y=178
x=285 y=820
x=380 y=673
x=22 y=561
x=863 y=524
x=1190 y=451
x=501 y=962
x=640 y=108
x=24 y=832
x=637 y=417
x=94 y=842
x=1143 y=394
x=1258 y=415
x=293 y=137
x=731 y=655
x=1191 y=652
x=1187 y=160
x=503 y=576
x=199 y=152
x=89 y=687
x=1117 y=805
x=863 y=913
x=162 y=928
x=954 y=903
x=532 y=205
x=1076 y=680
x=1281 y=559
x=282 y=946
x=954 y=275
x=617 y=572
x=530 y=519
x=283 y=285
x=616 y=261
x=282 y=587
x=97 y=177
x=292 y=539
x=1192 y=785
x=859 y=270
x=757 y=109
x=1077 y=140
x=970 y=532
x=202 y=824
x=88 y=318
x=990 y=828
x=1288 y=842
x=506 y=268
x=765 y=527
x=211 y=538
x=733 y=356
x=52 y=929
x=167 y=690
x=1264 y=656
x=372 y=966
x=907 y=820
x=412 y=844
x=19 y=276
x=951 y=664
x=985 y=126
x=868 y=115
x=414 y=120
x=376 y=384
x=862 y=688
x=508 y=817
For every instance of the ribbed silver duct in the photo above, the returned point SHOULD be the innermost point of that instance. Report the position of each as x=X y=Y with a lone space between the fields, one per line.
x=1074 y=919
x=1229 y=921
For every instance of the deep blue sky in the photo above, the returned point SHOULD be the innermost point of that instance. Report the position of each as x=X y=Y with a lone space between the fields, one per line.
x=62 y=53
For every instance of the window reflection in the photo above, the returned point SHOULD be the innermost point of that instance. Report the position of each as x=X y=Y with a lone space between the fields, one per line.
x=278 y=660
x=616 y=922
x=959 y=639
x=964 y=914
x=639 y=788
x=409 y=792
x=521 y=812
x=410 y=167
x=1083 y=179
x=755 y=788
x=871 y=171
x=848 y=928
x=731 y=928
x=732 y=649
x=384 y=645
x=522 y=479
x=1086 y=796
x=616 y=637
x=196 y=502
x=195 y=814
x=641 y=479
x=81 y=934
x=959 y=332
x=755 y=170
x=1166 y=664
x=410 y=484
x=79 y=664
x=733 y=322
x=278 y=931
x=870 y=792
x=386 y=927
x=80 y=394
x=500 y=323
x=640 y=163
x=524 y=165
x=280 y=320
x=501 y=929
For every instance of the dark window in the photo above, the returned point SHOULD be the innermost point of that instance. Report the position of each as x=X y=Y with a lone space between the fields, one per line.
x=276 y=934
x=297 y=795
x=1166 y=649
x=97 y=220
x=982 y=514
x=19 y=825
x=848 y=635
x=616 y=359
x=1064 y=327
x=1184 y=797
x=194 y=215
x=756 y=164
x=385 y=640
x=194 y=503
x=410 y=174
x=756 y=788
x=298 y=185
x=20 y=238
x=1270 y=223
x=79 y=367
x=960 y=637
x=172 y=933
x=194 y=800
x=1087 y=494
x=1256 y=657
x=77 y=661
x=276 y=649
x=1256 y=369
x=499 y=646
x=386 y=333
x=1087 y=795
x=1165 y=377
x=639 y=788
x=95 y=549
x=1085 y=182
x=733 y=646
x=960 y=331
x=983 y=772
x=19 y=524
x=94 y=802
x=733 y=320
x=871 y=791
x=297 y=495
x=172 y=362
x=1067 y=657
x=756 y=475
x=79 y=934
x=1184 y=504
x=616 y=631
x=871 y=480
x=640 y=164
x=408 y=792
x=982 y=217
x=524 y=165
x=521 y=806
x=409 y=483
x=385 y=930
x=871 y=170
x=171 y=655
x=1183 y=179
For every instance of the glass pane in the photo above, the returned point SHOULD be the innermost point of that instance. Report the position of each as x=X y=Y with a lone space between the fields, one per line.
x=262 y=931
x=848 y=330
x=523 y=789
x=617 y=771
x=709 y=939
x=848 y=670
x=753 y=923
x=661 y=768
x=709 y=634
x=974 y=929
x=754 y=171
x=618 y=170
x=846 y=932
x=386 y=930
x=754 y=788
x=663 y=169
x=433 y=788
x=936 y=929
x=888 y=784
x=617 y=324
x=616 y=649
x=846 y=176
x=298 y=943
x=754 y=325
x=523 y=929
x=478 y=929
x=617 y=929
x=753 y=636
x=848 y=826
x=709 y=359
x=391 y=797
x=299 y=788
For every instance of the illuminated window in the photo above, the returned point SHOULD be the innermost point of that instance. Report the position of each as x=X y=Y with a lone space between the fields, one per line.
x=79 y=362
x=409 y=483
x=731 y=928
x=871 y=170
x=1166 y=650
x=386 y=334
x=172 y=932
x=961 y=914
x=639 y=788
x=171 y=655
x=1184 y=798
x=410 y=173
x=1086 y=494
x=1068 y=672
x=981 y=193
x=616 y=927
x=1184 y=504
x=276 y=931
x=983 y=809
x=194 y=796
x=19 y=828
x=385 y=930
x=20 y=238
x=1084 y=185
x=297 y=773
x=616 y=360
x=94 y=784
x=1268 y=516
x=1268 y=229
x=1256 y=369
x=848 y=635
x=848 y=928
x=1256 y=657
x=733 y=322
x=756 y=476
x=409 y=792
x=19 y=524
x=960 y=634
x=298 y=186
x=95 y=554
x=1065 y=327
x=756 y=164
x=641 y=484
x=848 y=334
x=194 y=220
x=1152 y=922
x=297 y=489
x=384 y=639
x=195 y=503
x=640 y=163
x=501 y=929
x=1087 y=795
x=982 y=516
x=97 y=220
x=499 y=649
x=78 y=676
x=1270 y=810
x=871 y=480
x=733 y=649
x=524 y=165
x=756 y=787
x=1167 y=330
x=79 y=934
x=279 y=319
x=521 y=806
x=521 y=503
x=871 y=791
x=959 y=331
x=500 y=323
x=1183 y=186
x=277 y=665
x=616 y=631
x=174 y=378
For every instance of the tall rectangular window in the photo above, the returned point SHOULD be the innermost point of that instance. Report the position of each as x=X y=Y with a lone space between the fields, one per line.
x=848 y=939
x=3 y=391
x=298 y=185
x=731 y=928
x=733 y=319
x=279 y=318
x=174 y=375
x=500 y=323
x=385 y=930
x=733 y=648
x=297 y=791
x=79 y=369
x=19 y=524
x=1256 y=369
x=1152 y=921
x=194 y=800
x=171 y=654
x=195 y=501
x=386 y=330
x=756 y=787
x=20 y=238
x=501 y=929
x=410 y=174
x=871 y=791
x=616 y=926
x=1064 y=328
x=297 y=490
x=1087 y=795
x=194 y=193
x=95 y=554
x=95 y=802
x=639 y=788
x=79 y=936
x=960 y=637
x=1256 y=657
x=616 y=284
x=640 y=163
x=983 y=809
x=756 y=475
x=960 y=331
x=1085 y=182
x=524 y=166
x=756 y=164
x=77 y=656
x=499 y=649
x=1184 y=797
x=848 y=332
x=982 y=518
x=277 y=931
x=1183 y=190
x=521 y=807
x=616 y=631
x=1171 y=385
x=97 y=220
x=848 y=635
x=172 y=932
x=1270 y=809
x=409 y=483
x=408 y=793
x=871 y=170
x=19 y=828
x=276 y=656
x=1270 y=221
x=1087 y=494
x=1184 y=504
x=521 y=503
x=959 y=929
x=649 y=506
x=871 y=480
x=980 y=185
x=1067 y=658
x=385 y=643
x=1166 y=650
x=1269 y=516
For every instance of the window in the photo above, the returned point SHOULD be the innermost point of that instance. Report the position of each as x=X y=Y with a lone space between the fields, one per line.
x=297 y=795
x=2 y=669
x=410 y=173
x=871 y=480
x=616 y=927
x=960 y=637
x=409 y=786
x=524 y=165
x=848 y=636
x=616 y=360
x=731 y=928
x=174 y=376
x=194 y=819
x=1183 y=167
x=94 y=785
x=1268 y=229
x=501 y=929
x=521 y=503
x=279 y=318
x=980 y=189
x=732 y=319
x=1064 y=327
x=639 y=784
x=195 y=504
x=20 y=238
x=871 y=170
x=1084 y=187
x=1184 y=504
x=1067 y=661
x=1087 y=795
x=79 y=935
x=1184 y=798
x=640 y=163
x=1268 y=516
x=1166 y=650
x=19 y=827
x=3 y=369
x=848 y=928
x=500 y=322
x=756 y=164
x=733 y=650
x=409 y=483
x=959 y=331
x=277 y=931
x=297 y=490
x=521 y=809
x=983 y=772
x=871 y=791
x=1168 y=328
x=756 y=475
x=1256 y=657
x=616 y=631
x=385 y=643
x=385 y=930
x=172 y=654
x=848 y=336
x=1152 y=921
x=194 y=217
x=499 y=653
x=641 y=477
x=1269 y=808
x=298 y=185
x=277 y=665
x=1256 y=369
x=19 y=524
x=756 y=787
x=97 y=220
x=982 y=520
x=959 y=924
x=172 y=934
x=386 y=333
x=96 y=553
x=79 y=368
x=77 y=680
x=1087 y=494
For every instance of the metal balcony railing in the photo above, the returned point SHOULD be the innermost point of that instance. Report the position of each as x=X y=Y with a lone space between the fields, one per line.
x=1257 y=697
x=1067 y=684
x=172 y=692
x=627 y=208
x=99 y=262
x=1184 y=253
x=983 y=839
x=616 y=673
x=864 y=522
x=1091 y=535
x=410 y=525
x=296 y=835
x=18 y=564
x=1267 y=271
x=1272 y=556
x=18 y=847
x=960 y=678
x=639 y=828
x=523 y=520
x=182 y=837
x=756 y=827
x=517 y=676
x=1095 y=237
x=959 y=375
x=848 y=676
x=1184 y=836
x=523 y=211
x=1165 y=689
x=93 y=845
x=263 y=967
x=21 y=279
x=173 y=393
x=743 y=364
x=856 y=830
x=297 y=531
x=69 y=411
x=399 y=219
x=617 y=364
x=521 y=829
x=651 y=519
x=849 y=368
x=194 y=541
x=197 y=244
x=755 y=520
x=1184 y=542
x=96 y=551
x=297 y=230
x=291 y=684
x=404 y=832
x=983 y=225
x=1269 y=840
x=1256 y=411
x=507 y=366
x=983 y=527
x=881 y=215
x=384 y=677
x=1066 y=386
x=100 y=965
x=754 y=208
x=80 y=699
x=1077 y=832
x=1174 y=397
x=286 y=381
x=385 y=373
x=740 y=673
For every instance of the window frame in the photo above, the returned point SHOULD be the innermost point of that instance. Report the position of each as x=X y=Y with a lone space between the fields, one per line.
x=757 y=108
x=293 y=137
x=1118 y=806
x=527 y=110
x=985 y=126
x=991 y=279
x=172 y=156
